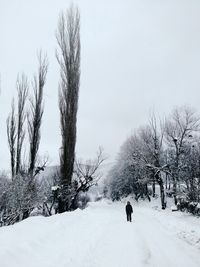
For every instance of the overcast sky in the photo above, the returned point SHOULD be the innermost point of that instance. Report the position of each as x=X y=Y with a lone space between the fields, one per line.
x=137 y=56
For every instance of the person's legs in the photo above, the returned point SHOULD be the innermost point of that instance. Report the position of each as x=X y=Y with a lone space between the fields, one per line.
x=127 y=216
x=130 y=218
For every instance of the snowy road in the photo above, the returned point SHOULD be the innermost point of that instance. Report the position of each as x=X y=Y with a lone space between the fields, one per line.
x=99 y=236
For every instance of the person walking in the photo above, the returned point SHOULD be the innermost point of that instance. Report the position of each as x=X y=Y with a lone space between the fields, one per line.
x=129 y=211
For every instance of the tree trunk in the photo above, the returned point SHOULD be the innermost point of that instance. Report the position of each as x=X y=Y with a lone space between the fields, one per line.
x=162 y=194
x=153 y=188
x=166 y=180
x=162 y=191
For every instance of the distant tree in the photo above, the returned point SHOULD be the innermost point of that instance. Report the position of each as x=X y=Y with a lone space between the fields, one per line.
x=87 y=174
x=145 y=158
x=130 y=175
x=139 y=164
x=11 y=134
x=152 y=139
x=15 y=125
x=36 y=111
x=68 y=56
x=190 y=170
x=180 y=127
x=22 y=88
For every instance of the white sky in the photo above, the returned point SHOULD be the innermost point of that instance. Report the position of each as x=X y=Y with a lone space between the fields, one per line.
x=137 y=55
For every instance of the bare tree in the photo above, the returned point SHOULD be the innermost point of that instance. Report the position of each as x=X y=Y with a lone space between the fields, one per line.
x=36 y=111
x=140 y=162
x=11 y=134
x=182 y=125
x=154 y=142
x=68 y=39
x=15 y=125
x=87 y=175
x=22 y=88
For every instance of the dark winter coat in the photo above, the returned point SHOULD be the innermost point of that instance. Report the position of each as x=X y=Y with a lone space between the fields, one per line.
x=129 y=209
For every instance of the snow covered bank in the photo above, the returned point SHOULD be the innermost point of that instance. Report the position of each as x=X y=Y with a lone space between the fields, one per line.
x=99 y=236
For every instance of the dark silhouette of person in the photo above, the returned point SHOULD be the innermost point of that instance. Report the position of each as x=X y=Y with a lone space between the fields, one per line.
x=129 y=211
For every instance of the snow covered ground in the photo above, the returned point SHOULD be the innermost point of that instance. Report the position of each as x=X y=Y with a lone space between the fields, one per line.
x=99 y=236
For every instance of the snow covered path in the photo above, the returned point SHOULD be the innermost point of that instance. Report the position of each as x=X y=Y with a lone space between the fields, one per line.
x=99 y=236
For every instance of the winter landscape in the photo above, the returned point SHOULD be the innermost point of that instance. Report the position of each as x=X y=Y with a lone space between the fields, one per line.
x=99 y=236
x=100 y=133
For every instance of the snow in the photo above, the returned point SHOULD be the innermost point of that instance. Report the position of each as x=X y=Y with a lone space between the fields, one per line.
x=54 y=188
x=99 y=236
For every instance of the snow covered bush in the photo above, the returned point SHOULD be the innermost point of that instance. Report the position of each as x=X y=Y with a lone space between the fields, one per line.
x=20 y=198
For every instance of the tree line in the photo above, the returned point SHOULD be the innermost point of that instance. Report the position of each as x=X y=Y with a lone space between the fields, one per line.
x=24 y=192
x=164 y=153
